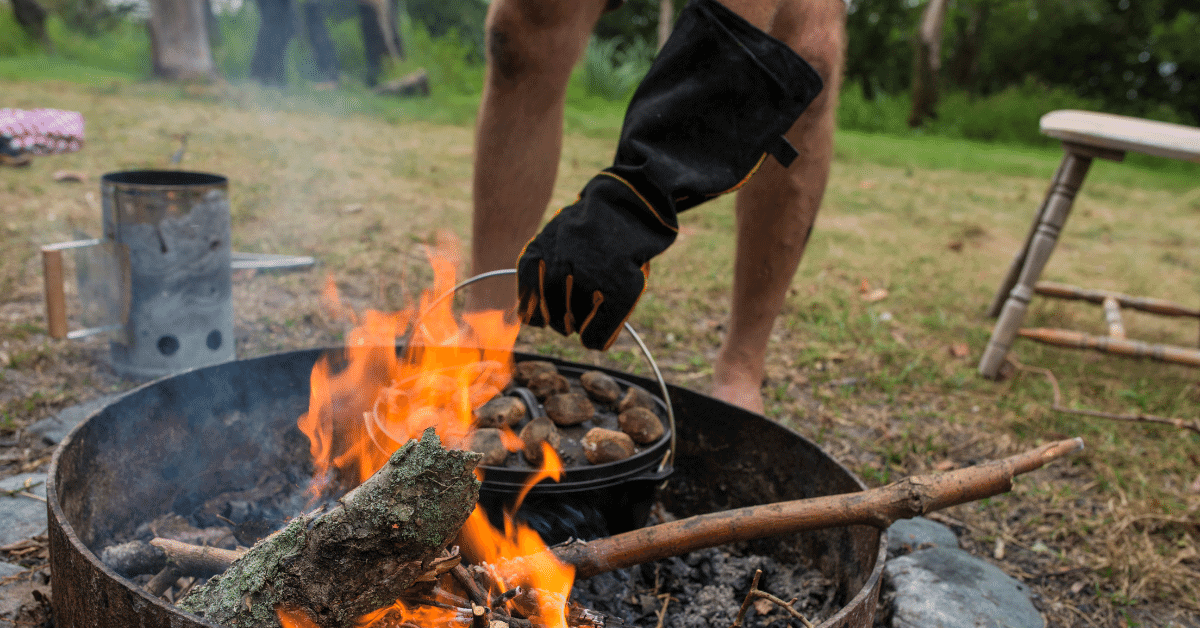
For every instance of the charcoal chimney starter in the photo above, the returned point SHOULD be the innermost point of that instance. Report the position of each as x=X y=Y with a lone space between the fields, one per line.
x=171 y=234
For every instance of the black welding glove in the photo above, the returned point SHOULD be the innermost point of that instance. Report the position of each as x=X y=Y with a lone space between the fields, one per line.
x=717 y=99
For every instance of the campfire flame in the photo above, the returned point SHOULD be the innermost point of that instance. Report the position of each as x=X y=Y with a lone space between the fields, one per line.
x=368 y=402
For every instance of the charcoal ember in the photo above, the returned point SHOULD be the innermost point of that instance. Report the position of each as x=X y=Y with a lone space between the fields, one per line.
x=569 y=408
x=600 y=386
x=134 y=558
x=538 y=431
x=641 y=425
x=506 y=411
x=601 y=445
x=636 y=398
x=488 y=442
x=524 y=372
x=545 y=384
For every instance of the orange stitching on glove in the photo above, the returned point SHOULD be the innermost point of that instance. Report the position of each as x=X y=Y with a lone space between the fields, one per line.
x=643 y=199
x=744 y=179
x=569 y=318
x=542 y=291
x=597 y=299
x=645 y=285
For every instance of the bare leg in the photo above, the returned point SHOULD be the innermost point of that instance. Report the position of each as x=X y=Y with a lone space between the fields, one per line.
x=777 y=207
x=532 y=46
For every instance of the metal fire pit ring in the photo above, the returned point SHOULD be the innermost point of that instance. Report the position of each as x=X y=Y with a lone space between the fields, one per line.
x=133 y=459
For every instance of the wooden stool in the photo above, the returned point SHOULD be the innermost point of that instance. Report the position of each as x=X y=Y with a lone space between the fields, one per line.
x=1085 y=136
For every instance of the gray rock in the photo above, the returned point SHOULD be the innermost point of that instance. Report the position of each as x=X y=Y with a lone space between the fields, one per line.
x=22 y=517
x=942 y=587
x=8 y=569
x=54 y=429
x=909 y=535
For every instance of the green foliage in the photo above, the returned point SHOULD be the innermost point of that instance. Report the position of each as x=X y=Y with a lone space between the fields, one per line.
x=609 y=72
x=14 y=41
x=124 y=48
x=1010 y=116
x=234 y=47
x=462 y=19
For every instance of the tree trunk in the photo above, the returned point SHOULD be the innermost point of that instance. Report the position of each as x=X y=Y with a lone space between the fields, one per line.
x=666 y=14
x=927 y=62
x=964 y=62
x=32 y=18
x=179 y=39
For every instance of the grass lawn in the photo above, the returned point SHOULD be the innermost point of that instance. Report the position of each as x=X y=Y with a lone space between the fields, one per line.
x=1108 y=538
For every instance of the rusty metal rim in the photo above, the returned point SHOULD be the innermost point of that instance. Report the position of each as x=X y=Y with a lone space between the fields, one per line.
x=58 y=523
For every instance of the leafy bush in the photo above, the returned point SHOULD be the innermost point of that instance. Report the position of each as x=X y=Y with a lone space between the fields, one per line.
x=14 y=42
x=1010 y=116
x=124 y=48
x=612 y=73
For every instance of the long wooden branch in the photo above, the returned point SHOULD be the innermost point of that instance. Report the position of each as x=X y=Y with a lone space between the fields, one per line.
x=879 y=507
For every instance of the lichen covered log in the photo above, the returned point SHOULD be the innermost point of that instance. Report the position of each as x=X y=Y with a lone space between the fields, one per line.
x=356 y=557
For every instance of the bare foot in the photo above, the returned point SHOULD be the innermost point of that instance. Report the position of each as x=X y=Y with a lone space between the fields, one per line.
x=737 y=385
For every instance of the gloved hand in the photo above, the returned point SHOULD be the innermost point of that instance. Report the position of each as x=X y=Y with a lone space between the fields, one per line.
x=715 y=102
x=588 y=267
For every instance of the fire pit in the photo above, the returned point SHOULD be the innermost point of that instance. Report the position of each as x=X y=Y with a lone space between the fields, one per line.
x=172 y=444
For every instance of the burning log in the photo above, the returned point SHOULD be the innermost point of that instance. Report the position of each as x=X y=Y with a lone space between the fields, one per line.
x=357 y=557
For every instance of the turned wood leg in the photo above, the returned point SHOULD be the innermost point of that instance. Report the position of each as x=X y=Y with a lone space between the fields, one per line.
x=1014 y=269
x=1056 y=208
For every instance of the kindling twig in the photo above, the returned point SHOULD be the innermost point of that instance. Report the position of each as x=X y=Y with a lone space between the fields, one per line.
x=756 y=593
x=1135 y=418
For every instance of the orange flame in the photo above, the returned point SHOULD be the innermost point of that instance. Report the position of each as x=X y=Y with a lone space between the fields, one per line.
x=367 y=402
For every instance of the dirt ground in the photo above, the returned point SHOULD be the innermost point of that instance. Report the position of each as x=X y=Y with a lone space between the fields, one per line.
x=887 y=387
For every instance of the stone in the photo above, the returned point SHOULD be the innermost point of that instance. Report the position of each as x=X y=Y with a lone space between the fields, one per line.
x=534 y=434
x=601 y=445
x=636 y=398
x=544 y=385
x=9 y=569
x=950 y=588
x=488 y=442
x=569 y=408
x=22 y=517
x=54 y=429
x=908 y=535
x=642 y=425
x=600 y=387
x=17 y=600
x=524 y=372
x=506 y=411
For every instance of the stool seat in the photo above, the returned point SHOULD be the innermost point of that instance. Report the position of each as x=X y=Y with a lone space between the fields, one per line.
x=1161 y=139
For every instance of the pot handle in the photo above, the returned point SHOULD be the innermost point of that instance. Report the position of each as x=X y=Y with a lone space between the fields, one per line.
x=669 y=458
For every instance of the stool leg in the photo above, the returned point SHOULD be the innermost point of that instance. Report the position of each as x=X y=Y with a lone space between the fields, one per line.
x=1014 y=269
x=1072 y=171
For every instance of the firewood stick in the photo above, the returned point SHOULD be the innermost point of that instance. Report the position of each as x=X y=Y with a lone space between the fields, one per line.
x=197 y=560
x=374 y=544
x=910 y=497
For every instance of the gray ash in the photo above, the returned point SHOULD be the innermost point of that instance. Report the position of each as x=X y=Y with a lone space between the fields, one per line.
x=706 y=590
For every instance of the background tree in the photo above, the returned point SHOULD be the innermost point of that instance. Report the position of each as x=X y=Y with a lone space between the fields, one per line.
x=179 y=39
x=927 y=62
